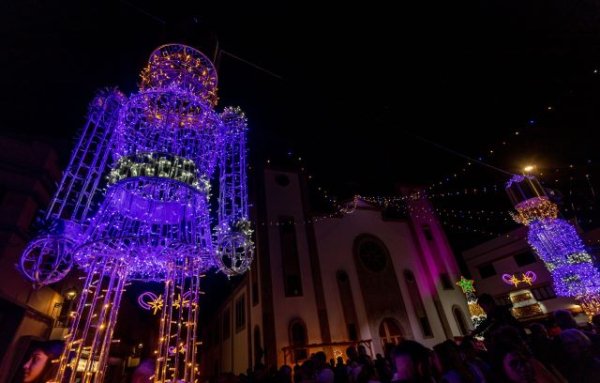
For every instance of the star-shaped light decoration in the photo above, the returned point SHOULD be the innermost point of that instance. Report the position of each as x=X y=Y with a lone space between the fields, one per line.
x=178 y=301
x=156 y=304
x=515 y=280
x=526 y=278
x=466 y=285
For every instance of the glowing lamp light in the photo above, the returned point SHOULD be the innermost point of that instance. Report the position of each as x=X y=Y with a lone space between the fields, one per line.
x=71 y=293
x=528 y=168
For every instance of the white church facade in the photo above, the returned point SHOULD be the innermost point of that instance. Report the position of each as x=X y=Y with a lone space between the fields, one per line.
x=324 y=283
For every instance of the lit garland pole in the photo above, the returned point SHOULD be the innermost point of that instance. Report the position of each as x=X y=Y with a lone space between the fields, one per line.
x=477 y=313
x=556 y=242
x=147 y=217
x=177 y=333
x=90 y=334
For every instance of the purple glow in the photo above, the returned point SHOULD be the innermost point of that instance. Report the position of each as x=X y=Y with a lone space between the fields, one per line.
x=516 y=179
x=143 y=299
x=556 y=242
x=559 y=246
x=149 y=300
x=167 y=142
x=508 y=279
x=527 y=277
x=146 y=215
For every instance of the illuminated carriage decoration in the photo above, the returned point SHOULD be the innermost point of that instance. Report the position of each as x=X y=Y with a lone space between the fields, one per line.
x=134 y=204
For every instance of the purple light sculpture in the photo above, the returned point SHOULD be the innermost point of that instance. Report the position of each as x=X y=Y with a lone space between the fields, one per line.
x=134 y=204
x=556 y=242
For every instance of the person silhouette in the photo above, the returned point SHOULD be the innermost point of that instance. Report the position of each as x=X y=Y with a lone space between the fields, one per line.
x=41 y=366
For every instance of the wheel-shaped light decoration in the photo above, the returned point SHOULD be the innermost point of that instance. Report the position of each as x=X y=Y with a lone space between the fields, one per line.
x=47 y=260
x=235 y=254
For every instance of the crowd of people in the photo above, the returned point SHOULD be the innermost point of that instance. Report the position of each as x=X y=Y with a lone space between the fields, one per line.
x=558 y=351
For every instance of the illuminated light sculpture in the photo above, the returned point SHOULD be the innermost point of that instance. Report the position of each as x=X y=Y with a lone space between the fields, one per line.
x=524 y=304
x=134 y=204
x=477 y=313
x=556 y=242
x=150 y=301
x=512 y=279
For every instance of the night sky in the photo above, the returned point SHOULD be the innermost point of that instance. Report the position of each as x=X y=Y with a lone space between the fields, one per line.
x=367 y=96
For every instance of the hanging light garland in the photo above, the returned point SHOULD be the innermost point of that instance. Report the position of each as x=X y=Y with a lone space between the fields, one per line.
x=504 y=144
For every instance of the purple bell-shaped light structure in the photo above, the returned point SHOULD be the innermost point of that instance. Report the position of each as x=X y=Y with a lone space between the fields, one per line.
x=134 y=204
x=556 y=242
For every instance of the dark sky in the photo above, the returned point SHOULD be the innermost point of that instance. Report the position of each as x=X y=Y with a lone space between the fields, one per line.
x=367 y=95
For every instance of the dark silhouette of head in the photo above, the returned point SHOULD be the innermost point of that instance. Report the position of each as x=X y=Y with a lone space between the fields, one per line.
x=538 y=331
x=564 y=319
x=410 y=359
x=487 y=302
x=351 y=353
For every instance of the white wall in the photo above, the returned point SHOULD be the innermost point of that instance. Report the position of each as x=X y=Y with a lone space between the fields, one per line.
x=240 y=338
x=335 y=239
x=438 y=259
x=287 y=201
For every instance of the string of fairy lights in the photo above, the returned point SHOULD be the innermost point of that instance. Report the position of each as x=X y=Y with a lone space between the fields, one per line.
x=501 y=145
x=477 y=216
x=477 y=219
x=445 y=190
x=485 y=189
x=468 y=164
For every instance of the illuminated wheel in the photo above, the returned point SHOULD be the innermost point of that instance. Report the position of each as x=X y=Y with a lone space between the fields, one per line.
x=47 y=260
x=235 y=254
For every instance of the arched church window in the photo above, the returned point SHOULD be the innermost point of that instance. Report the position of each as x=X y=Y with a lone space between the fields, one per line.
x=298 y=339
x=415 y=296
x=460 y=320
x=390 y=332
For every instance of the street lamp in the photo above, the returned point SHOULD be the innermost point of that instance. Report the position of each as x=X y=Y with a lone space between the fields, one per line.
x=69 y=296
x=70 y=293
x=528 y=168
